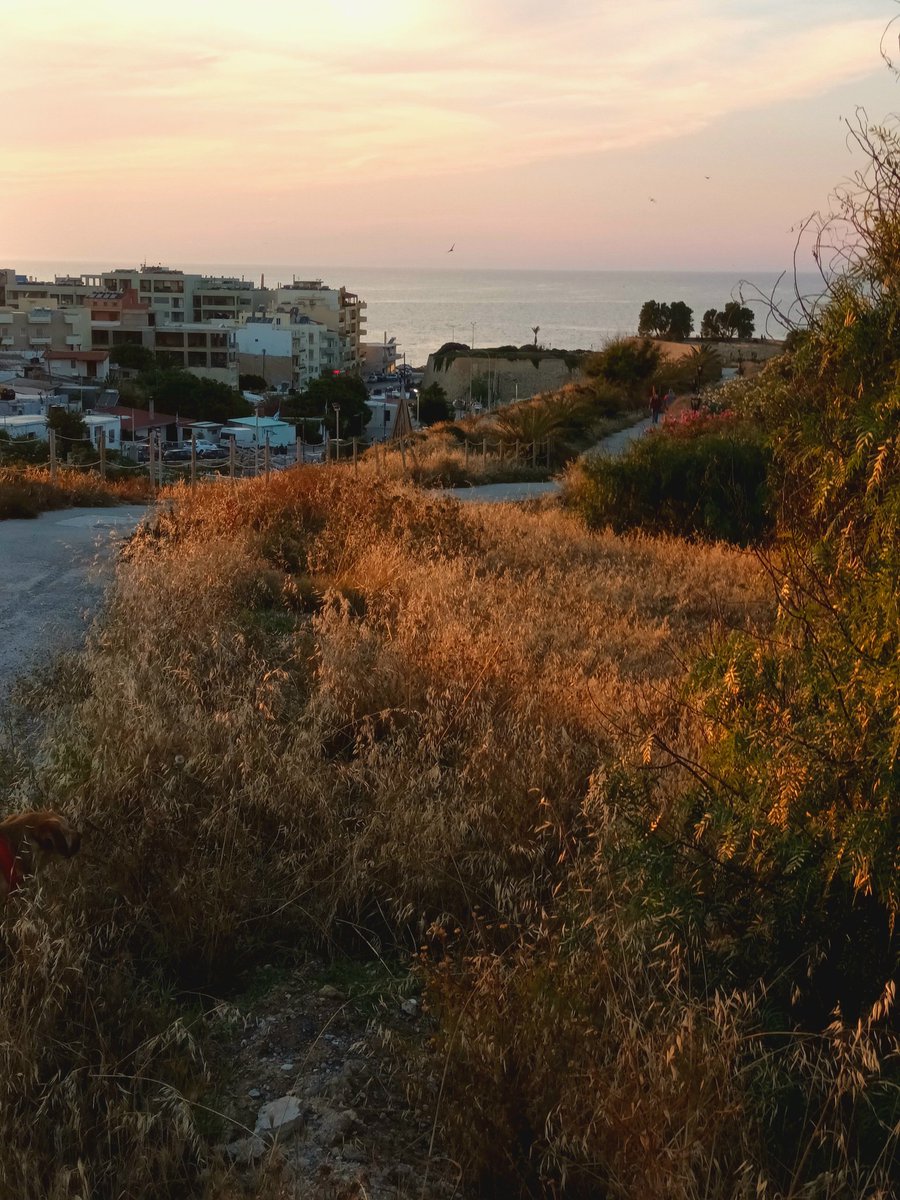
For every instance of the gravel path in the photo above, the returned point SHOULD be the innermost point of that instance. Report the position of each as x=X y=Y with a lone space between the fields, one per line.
x=497 y=493
x=52 y=575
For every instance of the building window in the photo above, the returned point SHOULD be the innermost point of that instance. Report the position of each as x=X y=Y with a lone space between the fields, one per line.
x=218 y=360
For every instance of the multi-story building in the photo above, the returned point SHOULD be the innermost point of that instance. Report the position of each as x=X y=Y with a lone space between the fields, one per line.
x=337 y=309
x=148 y=305
x=41 y=329
x=205 y=349
x=264 y=348
x=120 y=319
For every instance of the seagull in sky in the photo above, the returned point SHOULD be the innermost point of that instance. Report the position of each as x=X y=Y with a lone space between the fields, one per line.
x=452 y=248
x=652 y=201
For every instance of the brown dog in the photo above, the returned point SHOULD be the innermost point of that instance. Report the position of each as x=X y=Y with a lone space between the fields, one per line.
x=27 y=840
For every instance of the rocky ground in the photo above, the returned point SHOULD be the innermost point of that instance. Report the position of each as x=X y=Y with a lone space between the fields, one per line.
x=318 y=1099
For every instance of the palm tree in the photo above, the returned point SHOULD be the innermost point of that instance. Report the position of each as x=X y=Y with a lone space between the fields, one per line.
x=704 y=364
x=535 y=329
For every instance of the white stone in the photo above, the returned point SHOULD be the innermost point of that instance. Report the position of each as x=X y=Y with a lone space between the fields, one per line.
x=279 y=1117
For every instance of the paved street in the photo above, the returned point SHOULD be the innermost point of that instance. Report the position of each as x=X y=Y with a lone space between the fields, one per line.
x=52 y=574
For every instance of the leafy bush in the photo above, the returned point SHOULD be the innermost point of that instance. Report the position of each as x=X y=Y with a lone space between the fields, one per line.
x=626 y=363
x=700 y=477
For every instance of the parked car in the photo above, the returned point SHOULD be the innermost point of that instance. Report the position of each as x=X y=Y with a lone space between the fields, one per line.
x=178 y=454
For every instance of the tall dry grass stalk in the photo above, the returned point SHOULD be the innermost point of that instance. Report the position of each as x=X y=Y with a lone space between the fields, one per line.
x=322 y=712
x=27 y=491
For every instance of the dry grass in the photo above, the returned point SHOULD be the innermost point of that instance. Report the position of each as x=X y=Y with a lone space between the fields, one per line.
x=322 y=712
x=27 y=491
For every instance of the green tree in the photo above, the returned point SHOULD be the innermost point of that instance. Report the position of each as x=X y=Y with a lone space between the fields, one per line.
x=681 y=321
x=654 y=319
x=703 y=365
x=736 y=320
x=174 y=390
x=252 y=383
x=710 y=326
x=433 y=405
x=674 y=321
x=66 y=425
x=628 y=363
x=132 y=358
x=346 y=391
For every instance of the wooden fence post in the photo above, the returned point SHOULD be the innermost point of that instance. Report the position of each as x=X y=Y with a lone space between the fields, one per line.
x=101 y=441
x=52 y=438
x=151 y=459
x=355 y=456
x=232 y=457
x=466 y=444
x=266 y=458
x=534 y=453
x=484 y=452
x=193 y=458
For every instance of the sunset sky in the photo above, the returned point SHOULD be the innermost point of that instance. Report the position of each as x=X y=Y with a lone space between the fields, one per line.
x=355 y=132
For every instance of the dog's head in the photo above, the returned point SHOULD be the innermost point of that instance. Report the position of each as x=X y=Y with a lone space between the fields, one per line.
x=53 y=834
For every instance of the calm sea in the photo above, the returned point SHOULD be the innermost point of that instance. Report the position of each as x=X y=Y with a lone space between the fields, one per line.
x=574 y=309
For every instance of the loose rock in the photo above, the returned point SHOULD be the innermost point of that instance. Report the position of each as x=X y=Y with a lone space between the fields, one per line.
x=279 y=1117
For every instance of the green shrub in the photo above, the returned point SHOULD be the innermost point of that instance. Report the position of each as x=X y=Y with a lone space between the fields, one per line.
x=707 y=477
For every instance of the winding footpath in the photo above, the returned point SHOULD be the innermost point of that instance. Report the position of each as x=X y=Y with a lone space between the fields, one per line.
x=498 y=493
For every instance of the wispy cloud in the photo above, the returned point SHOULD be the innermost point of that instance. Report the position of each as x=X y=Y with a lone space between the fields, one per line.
x=216 y=93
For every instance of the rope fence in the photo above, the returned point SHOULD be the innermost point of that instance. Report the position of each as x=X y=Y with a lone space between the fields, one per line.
x=249 y=462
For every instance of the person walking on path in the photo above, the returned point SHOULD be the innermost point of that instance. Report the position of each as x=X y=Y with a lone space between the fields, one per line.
x=656 y=405
x=670 y=398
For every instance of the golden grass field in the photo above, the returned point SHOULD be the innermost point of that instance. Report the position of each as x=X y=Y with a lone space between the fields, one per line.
x=323 y=714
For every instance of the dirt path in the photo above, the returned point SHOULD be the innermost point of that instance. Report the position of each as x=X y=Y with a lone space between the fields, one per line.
x=52 y=576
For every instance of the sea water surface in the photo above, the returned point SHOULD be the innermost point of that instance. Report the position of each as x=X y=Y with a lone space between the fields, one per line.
x=423 y=308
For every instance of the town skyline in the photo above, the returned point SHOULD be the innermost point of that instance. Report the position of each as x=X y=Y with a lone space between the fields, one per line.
x=371 y=137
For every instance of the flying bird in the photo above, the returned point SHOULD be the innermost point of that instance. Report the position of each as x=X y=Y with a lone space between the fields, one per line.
x=706 y=177
x=652 y=201
x=452 y=248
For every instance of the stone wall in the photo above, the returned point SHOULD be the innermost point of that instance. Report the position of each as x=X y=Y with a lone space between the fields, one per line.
x=508 y=379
